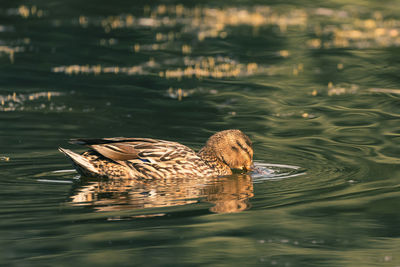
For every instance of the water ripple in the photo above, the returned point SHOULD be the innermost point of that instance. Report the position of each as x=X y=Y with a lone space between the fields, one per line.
x=268 y=171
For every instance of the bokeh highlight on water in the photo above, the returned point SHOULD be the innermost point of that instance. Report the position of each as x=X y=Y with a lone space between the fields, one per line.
x=314 y=84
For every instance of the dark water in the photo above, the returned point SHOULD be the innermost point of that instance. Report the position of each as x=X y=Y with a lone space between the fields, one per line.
x=316 y=86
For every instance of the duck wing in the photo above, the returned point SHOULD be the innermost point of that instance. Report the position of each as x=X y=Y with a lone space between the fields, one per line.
x=144 y=149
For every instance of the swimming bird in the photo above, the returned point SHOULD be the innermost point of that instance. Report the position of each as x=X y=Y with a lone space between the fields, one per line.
x=147 y=158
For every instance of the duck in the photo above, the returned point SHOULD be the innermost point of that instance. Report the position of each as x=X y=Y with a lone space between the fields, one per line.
x=145 y=158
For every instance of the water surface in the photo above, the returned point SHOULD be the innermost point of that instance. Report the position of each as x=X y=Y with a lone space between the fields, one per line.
x=315 y=85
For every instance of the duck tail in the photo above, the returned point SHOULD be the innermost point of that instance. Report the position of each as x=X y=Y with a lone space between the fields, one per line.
x=82 y=164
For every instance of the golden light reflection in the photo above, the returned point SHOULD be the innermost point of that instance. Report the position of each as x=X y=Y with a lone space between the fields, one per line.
x=26 y=11
x=227 y=194
x=355 y=32
x=98 y=69
x=10 y=51
x=206 y=22
x=14 y=101
x=179 y=93
x=347 y=30
x=202 y=67
x=172 y=25
x=340 y=89
x=4 y=158
x=385 y=90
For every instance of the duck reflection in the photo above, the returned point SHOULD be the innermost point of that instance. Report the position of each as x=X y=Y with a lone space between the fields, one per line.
x=228 y=194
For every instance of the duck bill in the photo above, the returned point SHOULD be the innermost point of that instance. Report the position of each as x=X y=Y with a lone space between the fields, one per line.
x=249 y=168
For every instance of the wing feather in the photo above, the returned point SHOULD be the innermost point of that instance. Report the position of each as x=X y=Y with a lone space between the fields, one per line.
x=134 y=149
x=116 y=151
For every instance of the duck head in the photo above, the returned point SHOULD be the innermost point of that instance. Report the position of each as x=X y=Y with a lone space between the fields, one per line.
x=233 y=148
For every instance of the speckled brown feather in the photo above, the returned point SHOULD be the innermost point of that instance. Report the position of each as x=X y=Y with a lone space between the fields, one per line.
x=154 y=159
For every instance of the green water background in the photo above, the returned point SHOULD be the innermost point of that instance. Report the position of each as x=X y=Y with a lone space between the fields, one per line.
x=314 y=84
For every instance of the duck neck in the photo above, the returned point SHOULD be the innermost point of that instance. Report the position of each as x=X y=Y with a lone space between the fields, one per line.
x=211 y=159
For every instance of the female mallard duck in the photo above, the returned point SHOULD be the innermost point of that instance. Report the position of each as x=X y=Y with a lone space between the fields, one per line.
x=153 y=159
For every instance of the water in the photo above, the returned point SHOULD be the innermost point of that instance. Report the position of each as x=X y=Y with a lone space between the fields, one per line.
x=314 y=85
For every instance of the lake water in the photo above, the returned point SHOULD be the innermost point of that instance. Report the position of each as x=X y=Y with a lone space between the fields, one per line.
x=316 y=86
